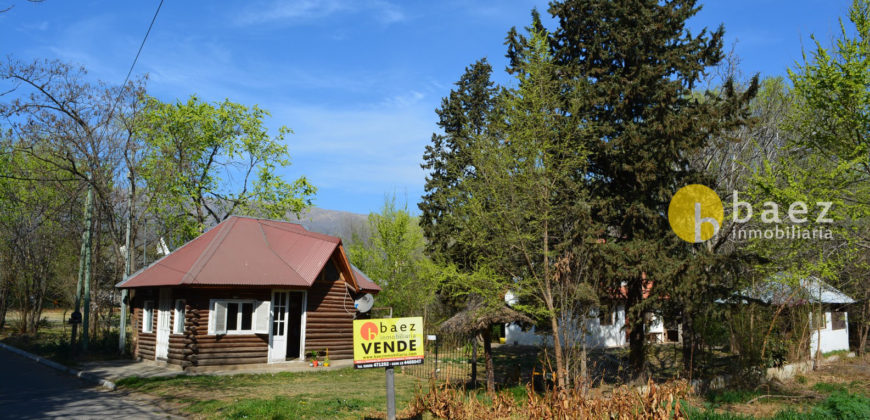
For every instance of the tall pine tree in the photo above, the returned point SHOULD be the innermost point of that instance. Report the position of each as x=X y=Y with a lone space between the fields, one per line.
x=642 y=65
x=463 y=115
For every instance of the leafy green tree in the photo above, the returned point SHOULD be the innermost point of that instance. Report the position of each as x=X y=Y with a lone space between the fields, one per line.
x=204 y=162
x=393 y=257
x=826 y=158
x=528 y=203
x=36 y=253
x=642 y=66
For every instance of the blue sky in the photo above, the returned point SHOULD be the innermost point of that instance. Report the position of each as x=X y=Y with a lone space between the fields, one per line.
x=356 y=80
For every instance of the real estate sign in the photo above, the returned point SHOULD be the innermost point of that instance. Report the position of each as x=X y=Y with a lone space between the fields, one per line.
x=387 y=342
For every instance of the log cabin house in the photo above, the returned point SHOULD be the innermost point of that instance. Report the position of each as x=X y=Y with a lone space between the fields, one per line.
x=247 y=291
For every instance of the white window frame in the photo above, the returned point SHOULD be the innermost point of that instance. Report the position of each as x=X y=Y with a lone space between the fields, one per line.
x=178 y=317
x=148 y=316
x=256 y=305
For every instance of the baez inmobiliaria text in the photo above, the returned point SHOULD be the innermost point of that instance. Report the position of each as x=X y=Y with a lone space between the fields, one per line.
x=797 y=214
x=696 y=214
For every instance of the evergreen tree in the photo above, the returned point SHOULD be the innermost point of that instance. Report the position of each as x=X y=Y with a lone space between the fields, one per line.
x=642 y=65
x=463 y=115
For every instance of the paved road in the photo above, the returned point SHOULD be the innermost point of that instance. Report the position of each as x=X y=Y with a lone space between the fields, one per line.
x=29 y=390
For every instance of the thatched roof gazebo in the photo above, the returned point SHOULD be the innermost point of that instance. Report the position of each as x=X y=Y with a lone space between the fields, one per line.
x=478 y=317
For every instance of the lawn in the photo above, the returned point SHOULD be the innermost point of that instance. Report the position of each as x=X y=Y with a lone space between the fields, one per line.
x=53 y=339
x=343 y=394
x=839 y=390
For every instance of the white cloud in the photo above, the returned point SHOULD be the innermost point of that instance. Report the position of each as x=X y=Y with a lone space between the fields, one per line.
x=306 y=10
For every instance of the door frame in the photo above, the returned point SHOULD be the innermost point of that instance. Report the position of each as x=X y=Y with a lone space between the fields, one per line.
x=302 y=322
x=272 y=323
x=164 y=316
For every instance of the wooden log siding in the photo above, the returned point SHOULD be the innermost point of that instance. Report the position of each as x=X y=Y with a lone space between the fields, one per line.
x=145 y=342
x=329 y=314
x=208 y=349
x=195 y=346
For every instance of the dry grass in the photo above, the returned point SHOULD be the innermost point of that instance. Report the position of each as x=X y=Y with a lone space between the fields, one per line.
x=654 y=401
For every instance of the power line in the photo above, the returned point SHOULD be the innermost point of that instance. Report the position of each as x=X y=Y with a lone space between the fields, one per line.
x=135 y=60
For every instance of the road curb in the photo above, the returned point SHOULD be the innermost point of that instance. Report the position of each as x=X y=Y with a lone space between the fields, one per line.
x=52 y=364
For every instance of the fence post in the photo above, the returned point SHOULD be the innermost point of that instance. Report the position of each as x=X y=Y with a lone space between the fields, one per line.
x=474 y=361
x=435 y=372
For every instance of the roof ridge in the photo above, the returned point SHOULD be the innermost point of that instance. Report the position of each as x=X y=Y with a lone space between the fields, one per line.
x=272 y=250
x=209 y=251
x=159 y=261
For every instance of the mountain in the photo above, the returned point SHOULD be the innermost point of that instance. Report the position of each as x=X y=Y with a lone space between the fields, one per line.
x=339 y=223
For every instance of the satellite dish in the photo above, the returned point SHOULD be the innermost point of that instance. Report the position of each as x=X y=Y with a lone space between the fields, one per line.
x=364 y=303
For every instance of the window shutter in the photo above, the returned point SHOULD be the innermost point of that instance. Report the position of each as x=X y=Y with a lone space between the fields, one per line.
x=220 y=317
x=261 y=317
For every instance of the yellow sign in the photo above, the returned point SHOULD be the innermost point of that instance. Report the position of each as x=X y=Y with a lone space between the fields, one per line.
x=695 y=213
x=387 y=342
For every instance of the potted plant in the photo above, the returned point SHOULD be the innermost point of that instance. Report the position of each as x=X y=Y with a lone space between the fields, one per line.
x=313 y=358
x=326 y=360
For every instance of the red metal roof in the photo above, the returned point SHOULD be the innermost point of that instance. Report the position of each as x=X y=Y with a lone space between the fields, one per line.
x=365 y=284
x=246 y=251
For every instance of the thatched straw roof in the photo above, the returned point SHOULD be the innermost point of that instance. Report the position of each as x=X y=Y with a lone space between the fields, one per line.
x=477 y=316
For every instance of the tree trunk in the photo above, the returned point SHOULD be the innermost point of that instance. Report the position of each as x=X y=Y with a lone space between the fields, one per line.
x=474 y=361
x=487 y=355
x=557 y=349
x=636 y=339
x=688 y=346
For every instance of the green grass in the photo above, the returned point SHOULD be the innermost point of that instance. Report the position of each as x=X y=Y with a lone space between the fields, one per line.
x=836 y=353
x=52 y=341
x=731 y=396
x=343 y=393
x=840 y=405
x=829 y=388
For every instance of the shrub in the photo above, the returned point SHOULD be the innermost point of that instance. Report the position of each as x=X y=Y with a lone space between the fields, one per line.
x=655 y=401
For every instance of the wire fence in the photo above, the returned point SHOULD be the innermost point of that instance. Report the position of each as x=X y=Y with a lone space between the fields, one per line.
x=449 y=359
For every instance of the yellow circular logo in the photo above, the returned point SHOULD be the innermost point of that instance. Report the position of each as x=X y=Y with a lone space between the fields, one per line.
x=695 y=213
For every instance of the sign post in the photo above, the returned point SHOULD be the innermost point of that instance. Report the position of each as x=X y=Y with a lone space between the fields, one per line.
x=388 y=343
x=391 y=393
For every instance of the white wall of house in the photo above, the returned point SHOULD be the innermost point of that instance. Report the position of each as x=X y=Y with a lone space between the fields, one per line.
x=831 y=339
x=597 y=335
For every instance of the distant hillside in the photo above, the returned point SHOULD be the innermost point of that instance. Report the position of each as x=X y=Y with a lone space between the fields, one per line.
x=333 y=222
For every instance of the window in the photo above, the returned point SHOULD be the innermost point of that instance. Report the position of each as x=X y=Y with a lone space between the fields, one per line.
x=818 y=320
x=178 y=325
x=148 y=316
x=838 y=320
x=605 y=315
x=239 y=317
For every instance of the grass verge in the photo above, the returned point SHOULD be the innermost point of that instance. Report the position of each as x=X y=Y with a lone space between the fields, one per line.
x=341 y=394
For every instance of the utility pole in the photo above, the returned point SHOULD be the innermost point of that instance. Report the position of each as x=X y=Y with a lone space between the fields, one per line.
x=83 y=287
x=128 y=266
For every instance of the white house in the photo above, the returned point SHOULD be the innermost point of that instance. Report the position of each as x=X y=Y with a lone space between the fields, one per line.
x=605 y=329
x=829 y=325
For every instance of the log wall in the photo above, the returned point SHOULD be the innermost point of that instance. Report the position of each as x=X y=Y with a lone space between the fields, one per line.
x=145 y=342
x=330 y=313
x=195 y=346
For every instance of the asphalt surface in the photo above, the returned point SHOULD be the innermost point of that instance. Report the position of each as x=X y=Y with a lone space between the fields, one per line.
x=29 y=390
